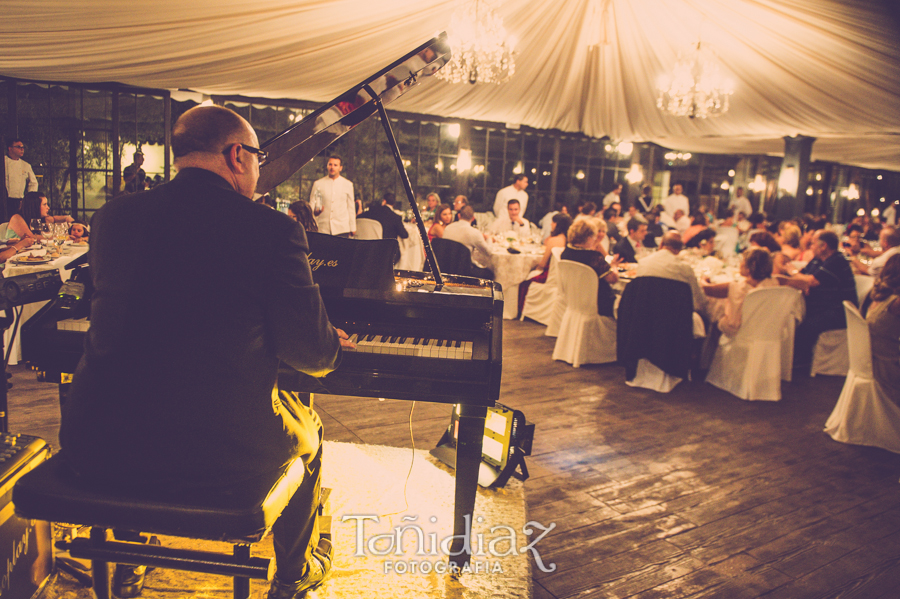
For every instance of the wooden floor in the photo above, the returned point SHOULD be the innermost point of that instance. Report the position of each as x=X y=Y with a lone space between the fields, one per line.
x=690 y=494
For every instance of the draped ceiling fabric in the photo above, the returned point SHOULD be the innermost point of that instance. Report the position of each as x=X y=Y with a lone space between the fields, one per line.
x=828 y=69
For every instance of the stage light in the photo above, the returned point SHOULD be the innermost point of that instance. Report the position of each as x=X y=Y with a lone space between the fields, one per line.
x=508 y=437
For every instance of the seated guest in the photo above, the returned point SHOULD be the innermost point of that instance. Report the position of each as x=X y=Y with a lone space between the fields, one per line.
x=426 y=210
x=463 y=232
x=302 y=212
x=458 y=203
x=443 y=216
x=811 y=225
x=512 y=222
x=698 y=223
x=547 y=221
x=890 y=245
x=15 y=246
x=757 y=221
x=34 y=206
x=827 y=281
x=391 y=223
x=628 y=247
x=788 y=238
x=756 y=272
x=588 y=209
x=764 y=239
x=645 y=200
x=79 y=232
x=677 y=221
x=654 y=227
x=883 y=316
x=853 y=243
x=583 y=238
x=664 y=263
x=560 y=227
x=703 y=241
x=612 y=219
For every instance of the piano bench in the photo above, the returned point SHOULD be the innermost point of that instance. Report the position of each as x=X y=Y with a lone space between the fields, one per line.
x=50 y=492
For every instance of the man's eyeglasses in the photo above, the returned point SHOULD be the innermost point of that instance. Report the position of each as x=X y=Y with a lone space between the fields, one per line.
x=262 y=155
x=18 y=147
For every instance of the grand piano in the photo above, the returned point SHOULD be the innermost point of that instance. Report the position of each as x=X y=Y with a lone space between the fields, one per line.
x=401 y=352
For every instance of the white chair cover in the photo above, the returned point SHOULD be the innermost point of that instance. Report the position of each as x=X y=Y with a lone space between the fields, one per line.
x=725 y=241
x=3 y=228
x=750 y=365
x=542 y=298
x=366 y=228
x=556 y=314
x=831 y=356
x=585 y=337
x=864 y=414
x=651 y=377
x=864 y=284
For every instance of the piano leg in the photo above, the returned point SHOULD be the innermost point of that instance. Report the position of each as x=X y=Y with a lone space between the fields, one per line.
x=468 y=463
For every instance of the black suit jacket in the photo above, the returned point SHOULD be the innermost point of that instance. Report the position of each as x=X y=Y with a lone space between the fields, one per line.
x=625 y=250
x=199 y=292
x=391 y=223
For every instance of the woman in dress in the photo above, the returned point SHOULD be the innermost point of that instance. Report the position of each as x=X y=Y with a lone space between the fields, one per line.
x=34 y=206
x=443 y=216
x=584 y=239
x=756 y=271
x=788 y=238
x=883 y=317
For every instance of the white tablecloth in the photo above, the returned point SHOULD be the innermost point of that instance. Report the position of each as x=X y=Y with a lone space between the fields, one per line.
x=29 y=310
x=512 y=269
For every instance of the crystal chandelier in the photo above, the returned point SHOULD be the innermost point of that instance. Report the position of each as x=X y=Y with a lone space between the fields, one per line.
x=482 y=50
x=696 y=87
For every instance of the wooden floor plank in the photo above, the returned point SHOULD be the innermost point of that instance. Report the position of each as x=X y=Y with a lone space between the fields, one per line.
x=691 y=494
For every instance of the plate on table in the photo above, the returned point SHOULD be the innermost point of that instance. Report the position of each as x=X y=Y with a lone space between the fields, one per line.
x=30 y=259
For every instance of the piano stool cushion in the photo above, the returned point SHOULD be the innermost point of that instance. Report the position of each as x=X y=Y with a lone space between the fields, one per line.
x=51 y=492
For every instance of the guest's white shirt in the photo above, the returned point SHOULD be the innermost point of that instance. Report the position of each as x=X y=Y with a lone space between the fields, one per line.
x=741 y=204
x=681 y=225
x=666 y=265
x=335 y=198
x=677 y=202
x=463 y=232
x=19 y=178
x=890 y=215
x=505 y=195
x=878 y=263
x=505 y=225
x=610 y=199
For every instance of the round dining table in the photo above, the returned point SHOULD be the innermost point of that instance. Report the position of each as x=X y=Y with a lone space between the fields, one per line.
x=512 y=268
x=13 y=268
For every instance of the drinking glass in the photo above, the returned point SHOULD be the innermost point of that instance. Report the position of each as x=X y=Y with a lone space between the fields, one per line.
x=47 y=231
x=60 y=233
x=35 y=225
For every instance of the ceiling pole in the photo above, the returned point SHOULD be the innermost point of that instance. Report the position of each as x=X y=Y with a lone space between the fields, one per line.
x=554 y=172
x=794 y=176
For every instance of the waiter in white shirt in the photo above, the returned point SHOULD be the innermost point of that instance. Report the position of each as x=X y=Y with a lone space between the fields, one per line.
x=19 y=176
x=677 y=201
x=740 y=203
x=332 y=201
x=516 y=191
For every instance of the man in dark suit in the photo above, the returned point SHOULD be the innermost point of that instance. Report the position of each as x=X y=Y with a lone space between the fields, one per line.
x=627 y=247
x=391 y=223
x=177 y=384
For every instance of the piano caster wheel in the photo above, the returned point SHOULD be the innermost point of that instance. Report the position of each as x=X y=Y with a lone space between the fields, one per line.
x=41 y=376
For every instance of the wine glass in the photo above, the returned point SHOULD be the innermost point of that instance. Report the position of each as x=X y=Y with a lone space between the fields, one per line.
x=47 y=231
x=35 y=225
x=60 y=233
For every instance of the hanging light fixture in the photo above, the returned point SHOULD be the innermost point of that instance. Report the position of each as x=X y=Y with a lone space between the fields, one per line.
x=482 y=50
x=696 y=87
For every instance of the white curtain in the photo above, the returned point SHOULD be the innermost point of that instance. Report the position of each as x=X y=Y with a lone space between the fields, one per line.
x=829 y=69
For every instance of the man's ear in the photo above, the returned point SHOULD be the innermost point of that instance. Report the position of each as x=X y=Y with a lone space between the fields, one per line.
x=235 y=159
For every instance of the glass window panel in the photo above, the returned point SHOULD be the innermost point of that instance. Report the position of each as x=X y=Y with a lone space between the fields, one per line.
x=429 y=138
x=478 y=145
x=97 y=191
x=98 y=108
x=449 y=139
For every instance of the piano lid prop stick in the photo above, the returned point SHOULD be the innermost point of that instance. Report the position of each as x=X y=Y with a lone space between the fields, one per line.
x=404 y=178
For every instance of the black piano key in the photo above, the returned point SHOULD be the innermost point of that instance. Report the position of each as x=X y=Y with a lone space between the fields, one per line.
x=458 y=344
x=416 y=340
x=440 y=343
x=384 y=338
x=370 y=337
x=401 y=340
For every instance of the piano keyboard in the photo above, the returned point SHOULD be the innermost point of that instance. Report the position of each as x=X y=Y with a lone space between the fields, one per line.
x=411 y=346
x=73 y=324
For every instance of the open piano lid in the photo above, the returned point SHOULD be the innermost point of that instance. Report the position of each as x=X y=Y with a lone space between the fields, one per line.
x=291 y=149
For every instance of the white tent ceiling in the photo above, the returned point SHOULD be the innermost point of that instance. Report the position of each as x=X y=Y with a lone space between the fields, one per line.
x=828 y=69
